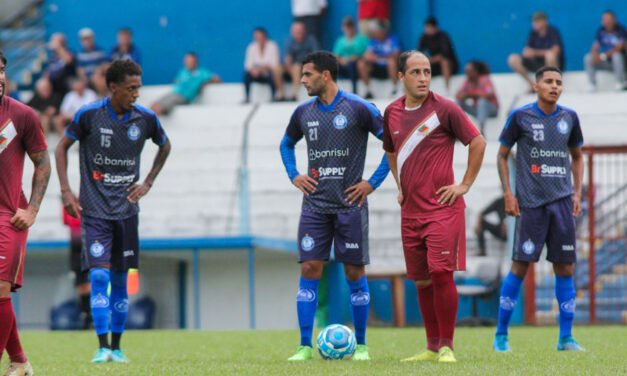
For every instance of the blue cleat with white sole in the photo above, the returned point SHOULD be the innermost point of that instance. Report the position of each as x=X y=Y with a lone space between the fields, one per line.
x=568 y=343
x=501 y=343
x=102 y=356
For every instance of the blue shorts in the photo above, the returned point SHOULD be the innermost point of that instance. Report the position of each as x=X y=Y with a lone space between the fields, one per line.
x=110 y=242
x=348 y=232
x=552 y=224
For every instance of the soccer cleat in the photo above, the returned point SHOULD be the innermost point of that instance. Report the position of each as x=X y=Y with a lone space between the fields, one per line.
x=361 y=353
x=445 y=355
x=103 y=355
x=568 y=343
x=19 y=369
x=501 y=343
x=426 y=355
x=303 y=353
x=117 y=356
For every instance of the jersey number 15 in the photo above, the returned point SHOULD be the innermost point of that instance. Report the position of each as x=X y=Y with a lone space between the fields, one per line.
x=105 y=140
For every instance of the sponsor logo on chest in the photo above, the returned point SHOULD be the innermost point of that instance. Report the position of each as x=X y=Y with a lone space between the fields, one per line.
x=7 y=134
x=549 y=171
x=328 y=172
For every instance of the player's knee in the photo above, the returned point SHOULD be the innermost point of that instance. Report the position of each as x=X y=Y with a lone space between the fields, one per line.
x=442 y=277
x=514 y=61
x=423 y=283
x=354 y=272
x=99 y=277
x=519 y=268
x=310 y=270
x=118 y=279
x=563 y=269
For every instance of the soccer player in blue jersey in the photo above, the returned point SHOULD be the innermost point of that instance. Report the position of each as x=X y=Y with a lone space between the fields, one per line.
x=335 y=125
x=111 y=133
x=546 y=201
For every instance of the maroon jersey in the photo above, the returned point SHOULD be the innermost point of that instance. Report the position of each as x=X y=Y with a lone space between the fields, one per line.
x=423 y=140
x=20 y=133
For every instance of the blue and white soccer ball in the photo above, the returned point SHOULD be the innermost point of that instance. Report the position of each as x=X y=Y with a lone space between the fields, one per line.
x=336 y=342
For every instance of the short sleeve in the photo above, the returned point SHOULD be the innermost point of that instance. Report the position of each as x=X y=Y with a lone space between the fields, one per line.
x=531 y=40
x=576 y=136
x=388 y=144
x=34 y=140
x=76 y=129
x=337 y=47
x=294 y=131
x=510 y=132
x=556 y=39
x=461 y=126
x=158 y=134
x=371 y=119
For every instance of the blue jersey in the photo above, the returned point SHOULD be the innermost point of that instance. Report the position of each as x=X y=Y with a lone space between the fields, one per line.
x=337 y=139
x=543 y=172
x=110 y=151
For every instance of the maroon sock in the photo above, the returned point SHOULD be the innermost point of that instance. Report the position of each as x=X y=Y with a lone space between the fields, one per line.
x=14 y=347
x=445 y=303
x=425 y=298
x=6 y=322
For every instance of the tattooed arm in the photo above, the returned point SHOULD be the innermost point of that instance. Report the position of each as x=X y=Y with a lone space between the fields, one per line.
x=24 y=218
x=137 y=191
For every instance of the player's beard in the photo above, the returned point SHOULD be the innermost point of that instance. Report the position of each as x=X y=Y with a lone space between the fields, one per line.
x=2 y=89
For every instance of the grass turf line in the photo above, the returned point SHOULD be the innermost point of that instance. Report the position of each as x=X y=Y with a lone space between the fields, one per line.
x=265 y=352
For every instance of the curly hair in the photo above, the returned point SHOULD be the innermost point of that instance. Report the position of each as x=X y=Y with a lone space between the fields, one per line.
x=120 y=68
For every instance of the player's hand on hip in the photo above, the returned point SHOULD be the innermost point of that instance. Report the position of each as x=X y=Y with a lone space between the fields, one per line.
x=137 y=191
x=70 y=203
x=576 y=206
x=359 y=192
x=305 y=183
x=450 y=193
x=24 y=218
x=511 y=205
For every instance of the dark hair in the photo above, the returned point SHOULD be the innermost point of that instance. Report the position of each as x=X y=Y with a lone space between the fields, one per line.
x=546 y=68
x=119 y=69
x=609 y=11
x=192 y=53
x=431 y=21
x=3 y=58
x=126 y=30
x=262 y=30
x=480 y=66
x=402 y=59
x=323 y=60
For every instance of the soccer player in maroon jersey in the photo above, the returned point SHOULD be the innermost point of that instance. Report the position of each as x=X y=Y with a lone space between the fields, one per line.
x=20 y=133
x=419 y=134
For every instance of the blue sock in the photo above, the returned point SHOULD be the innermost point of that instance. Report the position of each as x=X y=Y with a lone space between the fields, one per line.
x=119 y=301
x=306 y=304
x=99 y=278
x=360 y=306
x=509 y=295
x=565 y=294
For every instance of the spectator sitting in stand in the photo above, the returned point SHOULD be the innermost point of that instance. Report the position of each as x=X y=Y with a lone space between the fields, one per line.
x=297 y=47
x=499 y=230
x=437 y=44
x=92 y=62
x=61 y=64
x=480 y=90
x=349 y=49
x=310 y=13
x=608 y=51
x=72 y=102
x=544 y=47
x=46 y=103
x=381 y=57
x=125 y=49
x=189 y=81
x=262 y=63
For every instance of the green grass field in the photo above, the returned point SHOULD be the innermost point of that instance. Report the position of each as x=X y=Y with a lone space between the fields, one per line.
x=264 y=353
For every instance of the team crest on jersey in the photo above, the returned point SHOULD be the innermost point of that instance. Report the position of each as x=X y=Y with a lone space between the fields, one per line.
x=340 y=121
x=307 y=243
x=562 y=126
x=133 y=132
x=7 y=134
x=528 y=247
x=96 y=249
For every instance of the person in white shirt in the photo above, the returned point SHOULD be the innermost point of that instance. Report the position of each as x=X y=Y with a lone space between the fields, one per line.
x=72 y=102
x=263 y=64
x=310 y=12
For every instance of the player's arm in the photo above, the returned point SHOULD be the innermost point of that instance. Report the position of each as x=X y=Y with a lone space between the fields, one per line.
x=69 y=199
x=305 y=183
x=393 y=163
x=137 y=191
x=450 y=193
x=511 y=203
x=23 y=219
x=577 y=167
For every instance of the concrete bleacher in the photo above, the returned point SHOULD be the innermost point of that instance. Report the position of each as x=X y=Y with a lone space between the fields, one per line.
x=197 y=193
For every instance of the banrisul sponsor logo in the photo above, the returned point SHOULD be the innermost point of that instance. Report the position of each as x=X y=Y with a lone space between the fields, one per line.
x=541 y=153
x=317 y=154
x=103 y=160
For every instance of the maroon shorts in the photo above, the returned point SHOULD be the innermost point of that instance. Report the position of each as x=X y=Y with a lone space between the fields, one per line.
x=434 y=244
x=12 y=250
